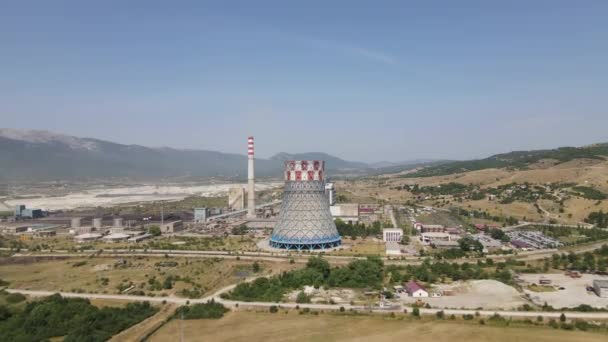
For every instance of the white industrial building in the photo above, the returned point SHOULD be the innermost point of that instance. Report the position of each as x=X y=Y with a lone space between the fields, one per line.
x=347 y=212
x=330 y=191
x=392 y=234
x=236 y=198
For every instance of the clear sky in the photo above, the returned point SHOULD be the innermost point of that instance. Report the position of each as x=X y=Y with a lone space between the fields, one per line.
x=364 y=80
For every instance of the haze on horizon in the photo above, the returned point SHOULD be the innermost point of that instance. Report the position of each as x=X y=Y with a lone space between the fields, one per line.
x=361 y=80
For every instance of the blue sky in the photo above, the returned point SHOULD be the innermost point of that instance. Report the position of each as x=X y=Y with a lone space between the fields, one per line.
x=364 y=80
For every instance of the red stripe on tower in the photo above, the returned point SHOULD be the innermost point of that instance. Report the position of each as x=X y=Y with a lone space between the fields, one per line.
x=250 y=149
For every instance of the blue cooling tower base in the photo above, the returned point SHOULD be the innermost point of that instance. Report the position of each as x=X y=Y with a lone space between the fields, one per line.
x=296 y=246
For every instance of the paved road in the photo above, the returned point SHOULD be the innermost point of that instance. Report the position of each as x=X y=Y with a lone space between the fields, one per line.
x=302 y=258
x=328 y=307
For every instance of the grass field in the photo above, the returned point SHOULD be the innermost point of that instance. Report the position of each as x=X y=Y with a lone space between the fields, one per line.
x=105 y=275
x=541 y=288
x=251 y=327
x=229 y=243
x=362 y=247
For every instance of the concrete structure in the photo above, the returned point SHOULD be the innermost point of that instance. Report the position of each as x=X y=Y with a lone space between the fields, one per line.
x=414 y=289
x=97 y=223
x=117 y=222
x=75 y=222
x=22 y=212
x=347 y=212
x=432 y=228
x=393 y=248
x=250 y=179
x=14 y=228
x=433 y=237
x=330 y=191
x=87 y=237
x=392 y=234
x=200 y=215
x=139 y=238
x=305 y=221
x=601 y=288
x=172 y=227
x=236 y=198
x=115 y=237
x=83 y=230
x=445 y=244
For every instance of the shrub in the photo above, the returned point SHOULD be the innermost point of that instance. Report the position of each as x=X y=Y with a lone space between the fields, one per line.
x=302 y=298
x=209 y=310
x=562 y=318
x=273 y=309
x=416 y=312
x=342 y=309
x=14 y=298
x=439 y=314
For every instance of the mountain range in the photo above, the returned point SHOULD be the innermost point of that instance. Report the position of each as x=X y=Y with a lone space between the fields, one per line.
x=41 y=155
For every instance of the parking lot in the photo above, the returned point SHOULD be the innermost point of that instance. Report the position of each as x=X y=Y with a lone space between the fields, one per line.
x=574 y=292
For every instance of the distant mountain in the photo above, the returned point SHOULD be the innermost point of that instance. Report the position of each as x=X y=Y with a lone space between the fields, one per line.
x=387 y=164
x=516 y=160
x=331 y=161
x=27 y=155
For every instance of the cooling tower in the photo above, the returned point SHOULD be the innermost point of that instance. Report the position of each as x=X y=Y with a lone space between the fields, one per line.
x=305 y=221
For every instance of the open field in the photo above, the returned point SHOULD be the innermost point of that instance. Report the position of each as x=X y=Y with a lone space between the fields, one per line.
x=251 y=327
x=107 y=196
x=139 y=331
x=229 y=243
x=111 y=275
x=363 y=247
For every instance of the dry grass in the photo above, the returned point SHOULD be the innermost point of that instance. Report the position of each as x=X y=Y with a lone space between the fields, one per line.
x=250 y=327
x=362 y=247
x=61 y=275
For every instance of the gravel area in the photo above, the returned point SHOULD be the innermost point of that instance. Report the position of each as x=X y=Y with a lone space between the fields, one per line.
x=574 y=293
x=487 y=294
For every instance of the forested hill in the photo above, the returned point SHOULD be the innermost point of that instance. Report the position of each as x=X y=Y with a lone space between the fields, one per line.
x=516 y=160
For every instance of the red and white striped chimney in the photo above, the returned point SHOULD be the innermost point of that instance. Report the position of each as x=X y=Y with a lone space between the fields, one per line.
x=250 y=179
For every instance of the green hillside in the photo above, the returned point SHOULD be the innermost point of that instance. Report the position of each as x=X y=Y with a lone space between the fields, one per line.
x=516 y=160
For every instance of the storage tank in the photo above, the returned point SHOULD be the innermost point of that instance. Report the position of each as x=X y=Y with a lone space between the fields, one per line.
x=97 y=223
x=76 y=222
x=117 y=222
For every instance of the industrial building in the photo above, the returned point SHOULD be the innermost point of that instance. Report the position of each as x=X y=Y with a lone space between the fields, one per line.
x=171 y=227
x=434 y=237
x=305 y=221
x=330 y=191
x=601 y=288
x=21 y=212
x=200 y=215
x=392 y=234
x=236 y=198
x=347 y=212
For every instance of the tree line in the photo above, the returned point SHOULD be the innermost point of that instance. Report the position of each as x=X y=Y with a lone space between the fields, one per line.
x=74 y=318
x=367 y=273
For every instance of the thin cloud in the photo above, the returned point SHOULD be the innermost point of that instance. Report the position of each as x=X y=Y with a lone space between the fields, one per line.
x=356 y=51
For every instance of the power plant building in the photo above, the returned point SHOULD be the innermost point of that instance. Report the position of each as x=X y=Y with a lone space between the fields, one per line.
x=305 y=222
x=236 y=198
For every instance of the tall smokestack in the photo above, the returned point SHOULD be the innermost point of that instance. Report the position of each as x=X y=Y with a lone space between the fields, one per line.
x=251 y=180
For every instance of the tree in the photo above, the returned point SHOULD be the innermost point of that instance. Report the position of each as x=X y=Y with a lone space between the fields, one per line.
x=416 y=312
x=468 y=243
x=274 y=309
x=239 y=230
x=154 y=230
x=405 y=239
x=302 y=298
x=256 y=267
x=562 y=318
